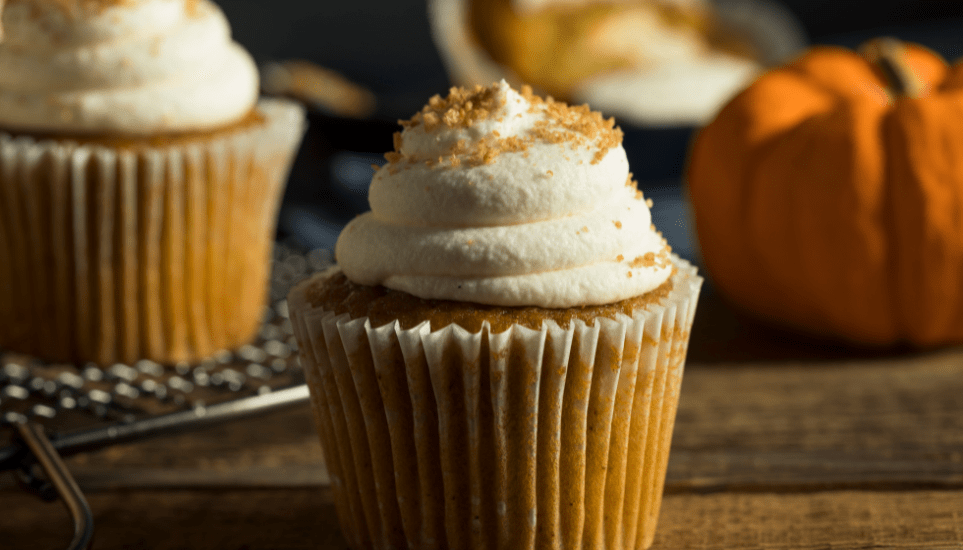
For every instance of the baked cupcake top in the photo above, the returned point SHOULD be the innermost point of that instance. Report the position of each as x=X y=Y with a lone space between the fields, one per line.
x=504 y=198
x=135 y=67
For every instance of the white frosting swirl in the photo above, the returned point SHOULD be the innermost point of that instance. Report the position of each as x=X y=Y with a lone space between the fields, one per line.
x=135 y=67
x=555 y=224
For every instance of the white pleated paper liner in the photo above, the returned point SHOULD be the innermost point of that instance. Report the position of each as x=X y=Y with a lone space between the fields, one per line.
x=551 y=438
x=118 y=254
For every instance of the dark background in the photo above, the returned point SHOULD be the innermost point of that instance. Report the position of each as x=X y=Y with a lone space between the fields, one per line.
x=386 y=46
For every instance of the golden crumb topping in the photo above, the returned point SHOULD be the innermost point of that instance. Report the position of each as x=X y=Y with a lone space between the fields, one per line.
x=652 y=259
x=461 y=109
x=576 y=126
x=580 y=125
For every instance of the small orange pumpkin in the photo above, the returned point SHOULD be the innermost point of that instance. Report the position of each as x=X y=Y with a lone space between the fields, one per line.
x=828 y=195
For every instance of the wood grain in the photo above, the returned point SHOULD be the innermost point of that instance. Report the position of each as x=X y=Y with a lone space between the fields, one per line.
x=880 y=423
x=305 y=519
x=840 y=520
x=779 y=426
x=781 y=442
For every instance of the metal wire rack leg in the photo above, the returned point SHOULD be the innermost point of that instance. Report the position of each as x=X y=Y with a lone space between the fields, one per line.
x=36 y=441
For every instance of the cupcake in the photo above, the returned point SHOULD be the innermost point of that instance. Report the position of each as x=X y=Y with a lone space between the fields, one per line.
x=496 y=360
x=139 y=180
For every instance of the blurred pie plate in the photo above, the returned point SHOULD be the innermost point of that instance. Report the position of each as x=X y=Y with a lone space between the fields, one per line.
x=661 y=67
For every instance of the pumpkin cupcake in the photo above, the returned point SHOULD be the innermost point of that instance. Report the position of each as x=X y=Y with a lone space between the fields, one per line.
x=496 y=361
x=139 y=180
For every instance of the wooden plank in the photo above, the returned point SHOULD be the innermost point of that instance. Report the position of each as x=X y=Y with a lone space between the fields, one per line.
x=847 y=420
x=283 y=438
x=841 y=520
x=305 y=518
x=883 y=422
x=162 y=520
x=892 y=423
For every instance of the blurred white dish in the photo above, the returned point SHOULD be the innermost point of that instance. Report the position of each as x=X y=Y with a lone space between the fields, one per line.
x=672 y=79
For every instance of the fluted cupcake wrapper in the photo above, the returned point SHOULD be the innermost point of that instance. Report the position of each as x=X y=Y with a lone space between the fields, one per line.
x=114 y=254
x=551 y=438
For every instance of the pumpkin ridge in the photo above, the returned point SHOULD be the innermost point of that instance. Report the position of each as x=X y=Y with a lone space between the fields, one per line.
x=809 y=217
x=929 y=222
x=851 y=77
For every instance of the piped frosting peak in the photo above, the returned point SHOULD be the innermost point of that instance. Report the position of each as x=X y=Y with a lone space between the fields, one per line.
x=135 y=67
x=499 y=197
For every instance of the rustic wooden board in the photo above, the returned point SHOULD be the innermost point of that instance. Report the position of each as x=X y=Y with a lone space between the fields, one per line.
x=304 y=518
x=840 y=520
x=781 y=442
x=881 y=423
x=776 y=426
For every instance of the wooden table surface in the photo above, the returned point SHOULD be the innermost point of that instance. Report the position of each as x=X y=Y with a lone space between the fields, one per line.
x=781 y=442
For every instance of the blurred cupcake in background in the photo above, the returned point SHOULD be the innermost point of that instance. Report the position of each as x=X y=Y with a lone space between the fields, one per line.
x=648 y=62
x=139 y=180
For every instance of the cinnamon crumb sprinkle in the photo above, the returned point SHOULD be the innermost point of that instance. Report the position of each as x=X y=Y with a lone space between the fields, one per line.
x=646 y=260
x=550 y=173
x=618 y=224
x=431 y=121
x=629 y=275
x=375 y=167
x=575 y=126
x=460 y=109
x=649 y=203
x=451 y=117
x=619 y=258
x=581 y=125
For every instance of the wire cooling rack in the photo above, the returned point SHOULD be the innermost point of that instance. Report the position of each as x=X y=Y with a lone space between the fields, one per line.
x=48 y=411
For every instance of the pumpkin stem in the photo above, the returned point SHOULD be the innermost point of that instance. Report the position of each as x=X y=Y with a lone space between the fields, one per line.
x=889 y=56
